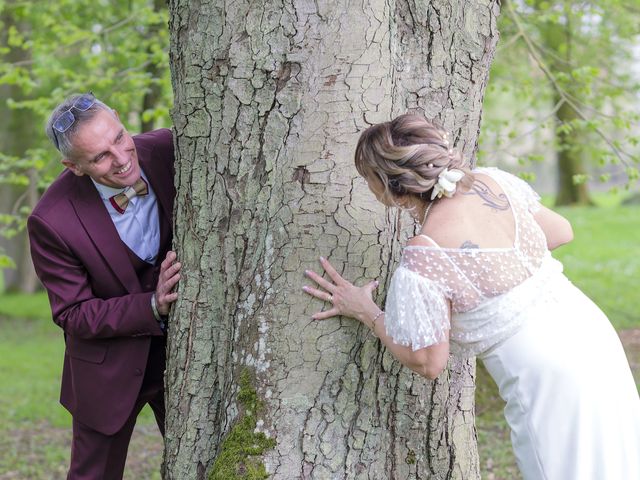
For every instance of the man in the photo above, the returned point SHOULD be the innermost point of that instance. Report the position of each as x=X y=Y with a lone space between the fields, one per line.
x=100 y=239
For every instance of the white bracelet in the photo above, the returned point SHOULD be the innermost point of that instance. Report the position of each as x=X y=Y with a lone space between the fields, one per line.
x=156 y=313
x=373 y=323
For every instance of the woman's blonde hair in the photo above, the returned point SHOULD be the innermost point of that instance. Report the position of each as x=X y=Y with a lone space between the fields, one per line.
x=407 y=154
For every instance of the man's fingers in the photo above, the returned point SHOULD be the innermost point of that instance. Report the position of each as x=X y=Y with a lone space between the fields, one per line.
x=169 y=283
x=172 y=269
x=167 y=298
x=171 y=297
x=168 y=260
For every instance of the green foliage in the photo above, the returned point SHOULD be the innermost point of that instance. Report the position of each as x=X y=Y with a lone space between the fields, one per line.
x=235 y=460
x=562 y=81
x=6 y=262
x=49 y=50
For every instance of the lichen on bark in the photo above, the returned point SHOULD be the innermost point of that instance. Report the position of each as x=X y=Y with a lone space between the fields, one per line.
x=239 y=457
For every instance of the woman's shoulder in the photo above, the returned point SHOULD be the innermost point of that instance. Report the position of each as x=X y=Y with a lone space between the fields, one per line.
x=422 y=240
x=447 y=223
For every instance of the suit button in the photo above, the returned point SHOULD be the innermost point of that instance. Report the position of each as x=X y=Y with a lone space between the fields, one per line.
x=138 y=372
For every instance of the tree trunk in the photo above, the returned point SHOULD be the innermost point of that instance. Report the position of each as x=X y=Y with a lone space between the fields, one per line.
x=15 y=139
x=570 y=160
x=154 y=93
x=556 y=37
x=270 y=98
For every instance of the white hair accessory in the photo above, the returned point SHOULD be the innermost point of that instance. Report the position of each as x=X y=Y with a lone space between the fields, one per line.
x=446 y=184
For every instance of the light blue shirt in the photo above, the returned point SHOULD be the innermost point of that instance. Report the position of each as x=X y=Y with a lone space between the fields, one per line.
x=139 y=225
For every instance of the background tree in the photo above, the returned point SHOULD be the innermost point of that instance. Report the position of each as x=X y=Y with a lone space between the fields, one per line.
x=49 y=50
x=269 y=100
x=561 y=77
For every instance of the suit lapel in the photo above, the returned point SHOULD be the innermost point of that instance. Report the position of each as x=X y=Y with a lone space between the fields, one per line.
x=98 y=224
x=145 y=157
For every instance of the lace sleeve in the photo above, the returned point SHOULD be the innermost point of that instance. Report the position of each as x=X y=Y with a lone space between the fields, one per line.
x=526 y=192
x=417 y=312
x=517 y=187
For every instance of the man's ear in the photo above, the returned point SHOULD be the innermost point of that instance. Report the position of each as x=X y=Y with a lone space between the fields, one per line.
x=72 y=166
x=115 y=112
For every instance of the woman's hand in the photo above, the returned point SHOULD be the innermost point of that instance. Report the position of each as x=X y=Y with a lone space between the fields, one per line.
x=346 y=299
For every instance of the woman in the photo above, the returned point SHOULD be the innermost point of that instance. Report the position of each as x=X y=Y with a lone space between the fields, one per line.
x=479 y=280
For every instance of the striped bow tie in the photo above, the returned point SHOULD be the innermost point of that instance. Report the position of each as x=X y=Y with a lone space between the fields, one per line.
x=121 y=201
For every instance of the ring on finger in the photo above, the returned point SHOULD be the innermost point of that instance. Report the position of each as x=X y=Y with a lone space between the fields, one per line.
x=330 y=299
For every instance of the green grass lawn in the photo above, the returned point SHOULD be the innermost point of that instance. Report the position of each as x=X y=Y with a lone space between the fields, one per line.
x=35 y=429
x=30 y=364
x=603 y=260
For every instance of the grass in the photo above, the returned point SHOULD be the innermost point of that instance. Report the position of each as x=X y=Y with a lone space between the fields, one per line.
x=36 y=429
x=603 y=260
x=25 y=306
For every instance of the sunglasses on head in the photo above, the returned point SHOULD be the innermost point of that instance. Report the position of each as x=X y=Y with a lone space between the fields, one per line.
x=64 y=121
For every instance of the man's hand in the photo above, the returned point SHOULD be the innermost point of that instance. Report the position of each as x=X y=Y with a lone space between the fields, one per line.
x=169 y=276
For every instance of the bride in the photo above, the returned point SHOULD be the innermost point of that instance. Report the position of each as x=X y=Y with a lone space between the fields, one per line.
x=479 y=280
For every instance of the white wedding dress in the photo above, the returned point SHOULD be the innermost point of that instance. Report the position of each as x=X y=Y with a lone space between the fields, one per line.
x=571 y=401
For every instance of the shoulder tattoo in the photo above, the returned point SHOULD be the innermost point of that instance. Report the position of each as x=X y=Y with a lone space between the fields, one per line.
x=491 y=199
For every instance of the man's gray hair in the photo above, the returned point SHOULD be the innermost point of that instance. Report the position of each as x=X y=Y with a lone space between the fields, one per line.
x=63 y=141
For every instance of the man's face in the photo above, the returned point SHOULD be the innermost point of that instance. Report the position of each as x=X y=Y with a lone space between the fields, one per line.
x=105 y=151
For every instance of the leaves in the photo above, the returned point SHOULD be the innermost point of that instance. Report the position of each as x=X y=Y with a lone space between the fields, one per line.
x=49 y=50
x=564 y=84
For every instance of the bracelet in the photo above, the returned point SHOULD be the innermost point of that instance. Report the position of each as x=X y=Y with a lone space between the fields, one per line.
x=373 y=323
x=159 y=318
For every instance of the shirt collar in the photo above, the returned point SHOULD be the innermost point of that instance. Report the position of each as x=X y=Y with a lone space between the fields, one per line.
x=107 y=192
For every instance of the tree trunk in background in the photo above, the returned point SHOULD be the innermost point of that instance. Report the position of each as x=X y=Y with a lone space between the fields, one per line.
x=557 y=39
x=270 y=98
x=570 y=160
x=153 y=95
x=15 y=139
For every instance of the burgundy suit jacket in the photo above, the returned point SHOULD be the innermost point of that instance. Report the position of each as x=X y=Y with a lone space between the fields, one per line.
x=94 y=292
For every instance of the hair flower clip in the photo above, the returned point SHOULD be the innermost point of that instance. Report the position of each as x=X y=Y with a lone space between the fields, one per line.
x=446 y=184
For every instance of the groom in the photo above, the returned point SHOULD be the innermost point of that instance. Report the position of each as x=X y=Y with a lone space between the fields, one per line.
x=100 y=242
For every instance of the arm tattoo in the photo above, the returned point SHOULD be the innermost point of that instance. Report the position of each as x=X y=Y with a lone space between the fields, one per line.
x=497 y=202
x=467 y=244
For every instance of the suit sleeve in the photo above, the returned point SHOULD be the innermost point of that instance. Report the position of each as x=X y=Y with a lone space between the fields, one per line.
x=74 y=306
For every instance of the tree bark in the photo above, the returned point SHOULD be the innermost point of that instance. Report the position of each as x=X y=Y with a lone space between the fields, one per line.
x=556 y=37
x=570 y=160
x=154 y=93
x=15 y=138
x=270 y=99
